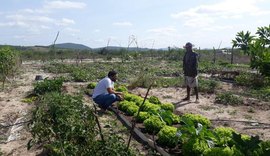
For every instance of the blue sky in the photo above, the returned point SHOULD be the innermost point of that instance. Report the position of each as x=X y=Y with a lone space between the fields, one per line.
x=151 y=23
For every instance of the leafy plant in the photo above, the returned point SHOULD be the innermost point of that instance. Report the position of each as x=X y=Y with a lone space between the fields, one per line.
x=228 y=98
x=47 y=85
x=142 y=116
x=225 y=136
x=195 y=138
x=197 y=118
x=153 y=124
x=167 y=106
x=121 y=88
x=221 y=151
x=63 y=124
x=256 y=47
x=154 y=100
x=9 y=60
x=167 y=136
x=91 y=85
x=132 y=109
x=80 y=75
x=208 y=86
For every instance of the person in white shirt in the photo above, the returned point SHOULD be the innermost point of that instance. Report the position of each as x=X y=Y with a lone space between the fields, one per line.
x=104 y=94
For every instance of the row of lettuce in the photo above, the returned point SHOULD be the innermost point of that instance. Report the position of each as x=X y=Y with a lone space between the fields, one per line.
x=191 y=133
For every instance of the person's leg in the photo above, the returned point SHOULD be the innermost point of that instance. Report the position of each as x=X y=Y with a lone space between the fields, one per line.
x=196 y=92
x=106 y=100
x=188 y=94
x=109 y=100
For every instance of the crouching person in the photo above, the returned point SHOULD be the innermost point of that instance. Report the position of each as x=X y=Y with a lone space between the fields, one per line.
x=104 y=94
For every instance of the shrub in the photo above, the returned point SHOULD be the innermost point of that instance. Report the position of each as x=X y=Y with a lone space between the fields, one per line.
x=244 y=79
x=228 y=99
x=208 y=86
x=54 y=85
x=153 y=124
x=80 y=75
x=167 y=136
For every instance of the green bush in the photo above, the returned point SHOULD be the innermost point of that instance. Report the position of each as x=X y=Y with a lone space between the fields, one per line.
x=80 y=75
x=63 y=124
x=244 y=79
x=208 y=86
x=153 y=124
x=228 y=99
x=54 y=85
x=167 y=136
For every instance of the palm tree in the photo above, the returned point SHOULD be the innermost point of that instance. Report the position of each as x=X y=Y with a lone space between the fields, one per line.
x=264 y=34
x=243 y=41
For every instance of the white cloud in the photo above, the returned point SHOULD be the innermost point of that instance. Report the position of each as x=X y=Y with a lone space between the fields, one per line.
x=65 y=22
x=72 y=30
x=122 y=24
x=64 y=5
x=207 y=15
x=96 y=30
x=30 y=19
x=163 y=31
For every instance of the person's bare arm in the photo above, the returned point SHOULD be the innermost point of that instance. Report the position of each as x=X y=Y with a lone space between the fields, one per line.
x=112 y=91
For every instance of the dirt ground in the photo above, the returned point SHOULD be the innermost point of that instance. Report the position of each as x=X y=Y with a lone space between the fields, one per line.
x=252 y=118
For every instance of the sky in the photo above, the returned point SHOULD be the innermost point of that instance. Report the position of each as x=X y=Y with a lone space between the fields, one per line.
x=142 y=23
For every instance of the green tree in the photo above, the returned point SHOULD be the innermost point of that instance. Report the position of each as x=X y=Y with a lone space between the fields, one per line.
x=243 y=41
x=8 y=63
x=258 y=48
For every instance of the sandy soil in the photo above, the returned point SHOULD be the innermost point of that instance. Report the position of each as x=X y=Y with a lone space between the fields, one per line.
x=14 y=139
x=251 y=118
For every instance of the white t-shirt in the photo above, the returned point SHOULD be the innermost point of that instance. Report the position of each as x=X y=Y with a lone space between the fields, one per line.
x=102 y=86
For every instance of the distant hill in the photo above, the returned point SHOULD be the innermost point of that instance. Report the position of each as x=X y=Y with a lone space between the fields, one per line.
x=72 y=46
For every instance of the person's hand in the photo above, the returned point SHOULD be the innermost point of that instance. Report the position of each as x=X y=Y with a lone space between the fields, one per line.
x=120 y=96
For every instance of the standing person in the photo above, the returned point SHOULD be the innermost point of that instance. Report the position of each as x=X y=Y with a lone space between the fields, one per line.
x=190 y=67
x=104 y=94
